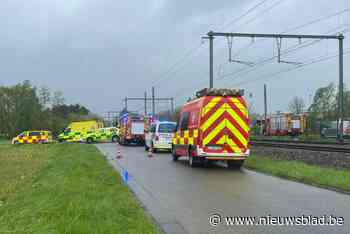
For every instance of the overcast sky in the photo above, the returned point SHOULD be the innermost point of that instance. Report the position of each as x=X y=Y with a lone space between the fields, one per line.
x=99 y=51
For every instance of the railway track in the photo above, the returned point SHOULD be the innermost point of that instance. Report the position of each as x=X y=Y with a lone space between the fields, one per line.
x=303 y=146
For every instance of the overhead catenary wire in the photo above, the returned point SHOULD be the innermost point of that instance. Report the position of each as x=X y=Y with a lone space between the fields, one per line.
x=314 y=21
x=235 y=20
x=261 y=13
x=304 y=64
x=187 y=55
x=313 y=61
x=194 y=49
x=311 y=22
x=289 y=50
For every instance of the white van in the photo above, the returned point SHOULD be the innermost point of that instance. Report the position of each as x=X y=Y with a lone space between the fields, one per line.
x=160 y=136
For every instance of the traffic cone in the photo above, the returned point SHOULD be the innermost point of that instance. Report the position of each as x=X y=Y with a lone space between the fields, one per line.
x=150 y=152
x=119 y=154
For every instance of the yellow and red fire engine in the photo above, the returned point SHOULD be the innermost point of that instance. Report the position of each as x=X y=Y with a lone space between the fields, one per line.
x=212 y=127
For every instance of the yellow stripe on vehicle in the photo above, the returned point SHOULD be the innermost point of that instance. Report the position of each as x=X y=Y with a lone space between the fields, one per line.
x=240 y=106
x=222 y=140
x=213 y=117
x=236 y=133
x=195 y=133
x=210 y=105
x=233 y=146
x=238 y=119
x=213 y=133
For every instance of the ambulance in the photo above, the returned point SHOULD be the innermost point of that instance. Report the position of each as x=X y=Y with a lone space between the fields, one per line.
x=75 y=132
x=213 y=127
x=110 y=134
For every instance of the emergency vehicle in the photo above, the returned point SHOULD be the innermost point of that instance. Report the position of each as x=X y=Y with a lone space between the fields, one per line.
x=102 y=135
x=213 y=127
x=132 y=128
x=33 y=137
x=159 y=136
x=76 y=130
x=283 y=124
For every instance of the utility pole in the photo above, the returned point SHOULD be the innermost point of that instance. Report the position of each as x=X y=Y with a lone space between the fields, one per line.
x=145 y=103
x=153 y=103
x=172 y=105
x=126 y=103
x=265 y=108
x=339 y=37
x=341 y=92
x=211 y=61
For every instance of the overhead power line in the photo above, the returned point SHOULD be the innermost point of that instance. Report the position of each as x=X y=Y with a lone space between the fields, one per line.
x=313 y=61
x=314 y=21
x=267 y=60
x=261 y=13
x=291 y=49
x=235 y=20
x=179 y=62
x=196 y=48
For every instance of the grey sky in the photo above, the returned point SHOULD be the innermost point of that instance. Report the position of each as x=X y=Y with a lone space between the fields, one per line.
x=99 y=51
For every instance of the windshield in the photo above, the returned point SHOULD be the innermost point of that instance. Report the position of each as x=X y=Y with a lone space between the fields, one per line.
x=167 y=128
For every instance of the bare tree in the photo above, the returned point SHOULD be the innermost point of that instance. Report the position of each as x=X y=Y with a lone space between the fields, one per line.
x=57 y=98
x=44 y=96
x=296 y=105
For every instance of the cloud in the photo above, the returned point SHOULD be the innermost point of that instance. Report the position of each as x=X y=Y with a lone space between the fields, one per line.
x=99 y=51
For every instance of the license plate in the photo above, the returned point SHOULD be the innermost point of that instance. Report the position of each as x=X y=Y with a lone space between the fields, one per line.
x=214 y=147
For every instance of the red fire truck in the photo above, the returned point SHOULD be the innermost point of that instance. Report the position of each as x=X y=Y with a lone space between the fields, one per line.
x=131 y=129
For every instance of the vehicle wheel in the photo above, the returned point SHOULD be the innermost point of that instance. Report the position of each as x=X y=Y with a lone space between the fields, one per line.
x=235 y=164
x=194 y=161
x=114 y=139
x=174 y=155
x=16 y=143
x=89 y=140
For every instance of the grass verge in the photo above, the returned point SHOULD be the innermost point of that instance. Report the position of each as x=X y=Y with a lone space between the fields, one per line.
x=4 y=141
x=295 y=170
x=65 y=188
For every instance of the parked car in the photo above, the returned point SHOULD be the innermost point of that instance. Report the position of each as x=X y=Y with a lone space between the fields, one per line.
x=33 y=137
x=159 y=136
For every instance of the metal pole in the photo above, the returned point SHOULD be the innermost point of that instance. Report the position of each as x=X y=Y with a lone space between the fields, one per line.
x=211 y=61
x=265 y=108
x=153 y=103
x=253 y=35
x=145 y=103
x=126 y=103
x=172 y=105
x=340 y=97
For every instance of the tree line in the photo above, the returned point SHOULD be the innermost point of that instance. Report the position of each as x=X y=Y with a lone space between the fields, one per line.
x=26 y=107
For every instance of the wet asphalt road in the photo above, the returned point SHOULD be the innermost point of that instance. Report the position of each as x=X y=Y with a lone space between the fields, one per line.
x=182 y=198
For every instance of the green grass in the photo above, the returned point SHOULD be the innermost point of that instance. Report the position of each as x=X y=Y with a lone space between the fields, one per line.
x=4 y=141
x=299 y=171
x=65 y=188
